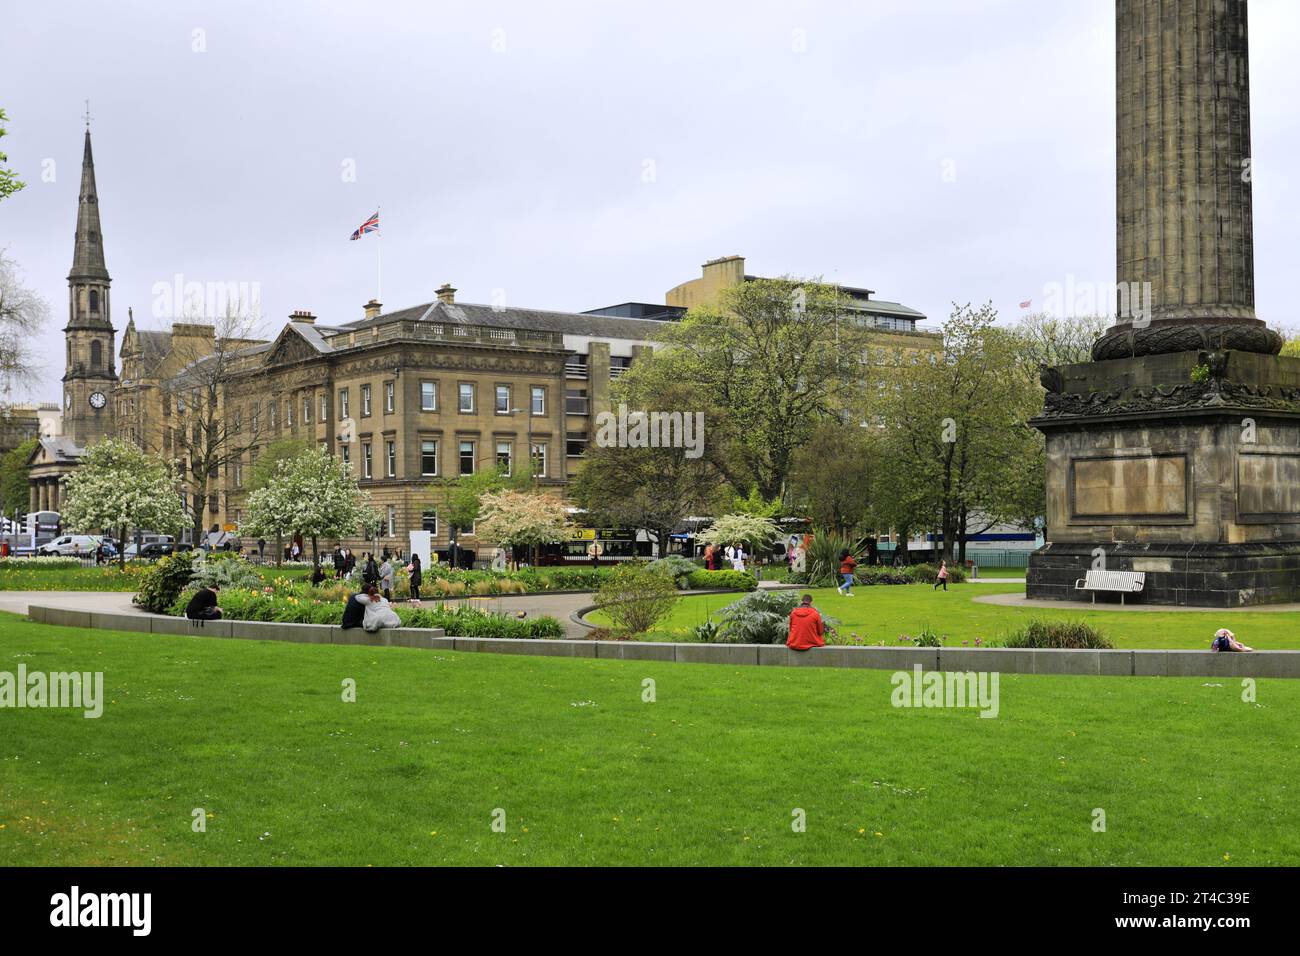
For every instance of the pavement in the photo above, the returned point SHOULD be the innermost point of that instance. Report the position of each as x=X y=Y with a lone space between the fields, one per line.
x=1019 y=600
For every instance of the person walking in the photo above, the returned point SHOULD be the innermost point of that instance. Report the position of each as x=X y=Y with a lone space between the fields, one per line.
x=806 y=628
x=708 y=557
x=847 y=567
x=370 y=570
x=386 y=577
x=417 y=576
x=942 y=579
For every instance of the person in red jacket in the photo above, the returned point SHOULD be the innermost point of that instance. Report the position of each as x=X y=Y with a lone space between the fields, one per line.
x=805 y=627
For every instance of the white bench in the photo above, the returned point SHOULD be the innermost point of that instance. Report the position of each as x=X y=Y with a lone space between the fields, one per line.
x=1125 y=582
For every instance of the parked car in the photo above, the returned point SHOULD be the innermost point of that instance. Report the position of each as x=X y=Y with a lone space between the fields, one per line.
x=70 y=545
x=149 y=552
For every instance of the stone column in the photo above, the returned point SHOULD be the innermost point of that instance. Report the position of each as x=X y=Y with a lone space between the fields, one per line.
x=45 y=495
x=33 y=495
x=54 y=494
x=1183 y=194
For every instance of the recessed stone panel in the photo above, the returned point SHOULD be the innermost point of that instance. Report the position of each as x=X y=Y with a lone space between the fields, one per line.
x=1133 y=486
x=1268 y=485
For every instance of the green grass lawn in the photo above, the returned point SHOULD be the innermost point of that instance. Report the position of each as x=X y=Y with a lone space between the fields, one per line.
x=882 y=613
x=586 y=772
x=1002 y=572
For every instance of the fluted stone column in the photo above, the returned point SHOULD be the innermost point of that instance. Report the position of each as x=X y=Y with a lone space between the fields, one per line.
x=1183 y=192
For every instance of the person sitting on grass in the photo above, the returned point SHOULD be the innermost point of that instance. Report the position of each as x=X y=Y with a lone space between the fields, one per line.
x=847 y=566
x=1225 y=640
x=379 y=613
x=806 y=630
x=203 y=606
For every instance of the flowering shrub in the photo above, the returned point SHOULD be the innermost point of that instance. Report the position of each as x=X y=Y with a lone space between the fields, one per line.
x=728 y=580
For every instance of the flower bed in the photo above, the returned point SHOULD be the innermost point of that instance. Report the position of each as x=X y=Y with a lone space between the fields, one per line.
x=292 y=603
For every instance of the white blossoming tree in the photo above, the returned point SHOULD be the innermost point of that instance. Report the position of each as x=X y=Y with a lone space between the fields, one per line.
x=119 y=488
x=313 y=495
x=521 y=519
x=753 y=531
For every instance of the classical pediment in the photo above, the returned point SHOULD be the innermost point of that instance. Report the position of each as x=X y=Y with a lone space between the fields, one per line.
x=292 y=345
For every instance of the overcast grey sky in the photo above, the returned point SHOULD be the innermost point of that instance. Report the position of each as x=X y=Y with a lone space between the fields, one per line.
x=578 y=154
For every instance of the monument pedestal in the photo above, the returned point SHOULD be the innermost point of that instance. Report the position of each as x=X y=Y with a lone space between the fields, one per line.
x=1182 y=465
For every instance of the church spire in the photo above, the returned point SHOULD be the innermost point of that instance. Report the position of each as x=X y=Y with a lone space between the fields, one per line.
x=88 y=253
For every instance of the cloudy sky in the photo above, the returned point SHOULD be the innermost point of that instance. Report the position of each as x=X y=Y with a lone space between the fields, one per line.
x=569 y=155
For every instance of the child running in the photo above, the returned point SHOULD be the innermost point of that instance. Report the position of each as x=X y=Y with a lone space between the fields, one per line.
x=847 y=565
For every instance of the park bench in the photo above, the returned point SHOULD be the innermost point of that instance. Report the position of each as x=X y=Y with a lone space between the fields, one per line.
x=1125 y=582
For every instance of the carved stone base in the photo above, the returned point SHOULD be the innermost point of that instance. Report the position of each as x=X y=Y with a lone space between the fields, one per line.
x=1195 y=575
x=1125 y=341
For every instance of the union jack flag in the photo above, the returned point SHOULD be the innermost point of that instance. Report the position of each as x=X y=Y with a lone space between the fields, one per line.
x=370 y=225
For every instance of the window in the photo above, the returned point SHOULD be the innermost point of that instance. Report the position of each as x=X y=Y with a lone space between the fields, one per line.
x=390 y=453
x=504 y=449
x=306 y=410
x=288 y=412
x=428 y=396
x=539 y=400
x=239 y=475
x=343 y=403
x=466 y=400
x=275 y=408
x=390 y=396
x=575 y=401
x=252 y=422
x=575 y=366
x=618 y=365
x=467 y=458
x=365 y=459
x=324 y=408
x=503 y=399
x=539 y=459
x=575 y=445
x=347 y=454
x=96 y=350
x=365 y=400
x=429 y=521
x=392 y=520
x=94 y=301
x=429 y=457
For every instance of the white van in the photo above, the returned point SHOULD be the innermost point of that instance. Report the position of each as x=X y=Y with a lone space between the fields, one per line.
x=70 y=545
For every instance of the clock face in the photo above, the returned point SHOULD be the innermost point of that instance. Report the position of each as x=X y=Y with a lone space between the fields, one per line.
x=97 y=399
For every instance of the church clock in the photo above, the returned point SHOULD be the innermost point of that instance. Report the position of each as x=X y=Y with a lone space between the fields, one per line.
x=97 y=400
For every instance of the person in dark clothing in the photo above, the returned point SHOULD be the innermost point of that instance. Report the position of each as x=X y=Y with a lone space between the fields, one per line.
x=354 y=612
x=349 y=561
x=370 y=570
x=317 y=574
x=338 y=561
x=203 y=606
x=417 y=576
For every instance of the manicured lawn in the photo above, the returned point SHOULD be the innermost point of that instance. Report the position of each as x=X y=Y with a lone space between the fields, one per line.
x=16 y=577
x=710 y=773
x=882 y=613
x=1002 y=572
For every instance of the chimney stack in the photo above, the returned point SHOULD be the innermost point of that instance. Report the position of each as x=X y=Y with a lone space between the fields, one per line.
x=372 y=308
x=446 y=294
x=302 y=315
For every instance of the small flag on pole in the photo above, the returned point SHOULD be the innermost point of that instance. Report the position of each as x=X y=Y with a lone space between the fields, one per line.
x=1024 y=305
x=370 y=225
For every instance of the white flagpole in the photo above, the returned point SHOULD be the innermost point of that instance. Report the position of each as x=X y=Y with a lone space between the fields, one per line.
x=379 y=267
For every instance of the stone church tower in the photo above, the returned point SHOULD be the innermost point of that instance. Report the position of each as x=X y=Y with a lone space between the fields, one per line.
x=90 y=375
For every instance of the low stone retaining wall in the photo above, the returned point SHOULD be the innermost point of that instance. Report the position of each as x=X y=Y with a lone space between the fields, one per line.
x=1117 y=663
x=245 y=630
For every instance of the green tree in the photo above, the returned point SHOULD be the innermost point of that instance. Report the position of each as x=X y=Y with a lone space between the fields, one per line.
x=118 y=487
x=832 y=476
x=651 y=488
x=9 y=181
x=14 y=493
x=756 y=533
x=961 y=455
x=776 y=357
